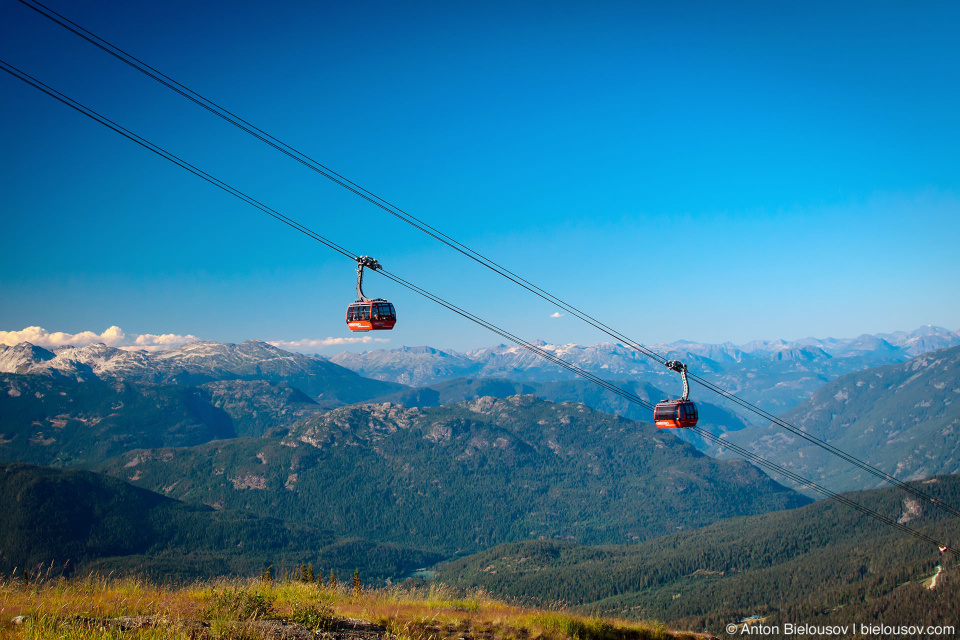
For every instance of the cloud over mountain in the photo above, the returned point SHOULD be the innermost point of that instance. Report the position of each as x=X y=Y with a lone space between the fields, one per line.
x=114 y=336
x=312 y=345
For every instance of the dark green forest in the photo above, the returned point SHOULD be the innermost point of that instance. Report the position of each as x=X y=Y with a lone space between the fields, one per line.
x=72 y=520
x=460 y=478
x=823 y=558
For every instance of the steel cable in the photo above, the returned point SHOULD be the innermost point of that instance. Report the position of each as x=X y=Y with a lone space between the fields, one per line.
x=523 y=343
x=332 y=175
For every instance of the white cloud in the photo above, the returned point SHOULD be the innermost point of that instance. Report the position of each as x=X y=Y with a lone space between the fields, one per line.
x=151 y=342
x=40 y=337
x=114 y=336
x=317 y=344
x=556 y=314
x=168 y=340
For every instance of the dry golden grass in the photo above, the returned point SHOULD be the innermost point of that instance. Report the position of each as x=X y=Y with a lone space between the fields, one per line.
x=84 y=608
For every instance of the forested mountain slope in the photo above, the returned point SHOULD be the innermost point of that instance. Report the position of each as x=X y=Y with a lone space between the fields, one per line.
x=902 y=418
x=63 y=422
x=467 y=476
x=825 y=561
x=73 y=520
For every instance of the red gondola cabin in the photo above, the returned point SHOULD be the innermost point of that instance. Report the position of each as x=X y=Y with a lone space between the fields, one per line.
x=675 y=414
x=374 y=315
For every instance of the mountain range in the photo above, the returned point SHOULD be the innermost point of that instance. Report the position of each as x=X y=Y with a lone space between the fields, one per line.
x=197 y=363
x=225 y=425
x=775 y=375
x=902 y=418
x=218 y=459
x=463 y=477
x=206 y=391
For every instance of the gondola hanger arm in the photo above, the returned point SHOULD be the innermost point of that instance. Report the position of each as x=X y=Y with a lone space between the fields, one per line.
x=370 y=263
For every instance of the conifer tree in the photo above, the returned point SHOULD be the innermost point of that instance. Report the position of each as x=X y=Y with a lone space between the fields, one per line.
x=308 y=576
x=333 y=580
x=357 y=586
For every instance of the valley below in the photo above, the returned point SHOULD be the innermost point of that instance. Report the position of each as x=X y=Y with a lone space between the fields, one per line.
x=490 y=471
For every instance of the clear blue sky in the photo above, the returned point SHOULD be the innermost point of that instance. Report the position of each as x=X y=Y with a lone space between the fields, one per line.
x=702 y=171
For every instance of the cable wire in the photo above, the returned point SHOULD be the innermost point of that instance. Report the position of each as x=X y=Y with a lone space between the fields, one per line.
x=543 y=353
x=843 y=455
x=332 y=175
x=327 y=172
x=502 y=332
x=822 y=490
x=17 y=73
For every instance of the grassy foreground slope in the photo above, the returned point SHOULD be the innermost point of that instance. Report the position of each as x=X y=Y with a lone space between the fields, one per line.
x=821 y=559
x=253 y=610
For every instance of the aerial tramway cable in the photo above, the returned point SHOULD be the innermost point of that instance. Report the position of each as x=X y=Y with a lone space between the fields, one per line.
x=822 y=490
x=328 y=173
x=169 y=156
x=551 y=357
x=543 y=353
x=843 y=455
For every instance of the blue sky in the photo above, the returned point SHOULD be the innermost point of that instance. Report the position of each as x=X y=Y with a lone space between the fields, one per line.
x=700 y=171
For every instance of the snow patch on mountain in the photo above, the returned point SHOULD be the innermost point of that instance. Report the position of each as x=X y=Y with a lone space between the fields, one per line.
x=196 y=360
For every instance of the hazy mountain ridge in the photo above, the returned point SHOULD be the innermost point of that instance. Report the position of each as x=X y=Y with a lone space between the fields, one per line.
x=198 y=363
x=410 y=365
x=902 y=418
x=776 y=375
